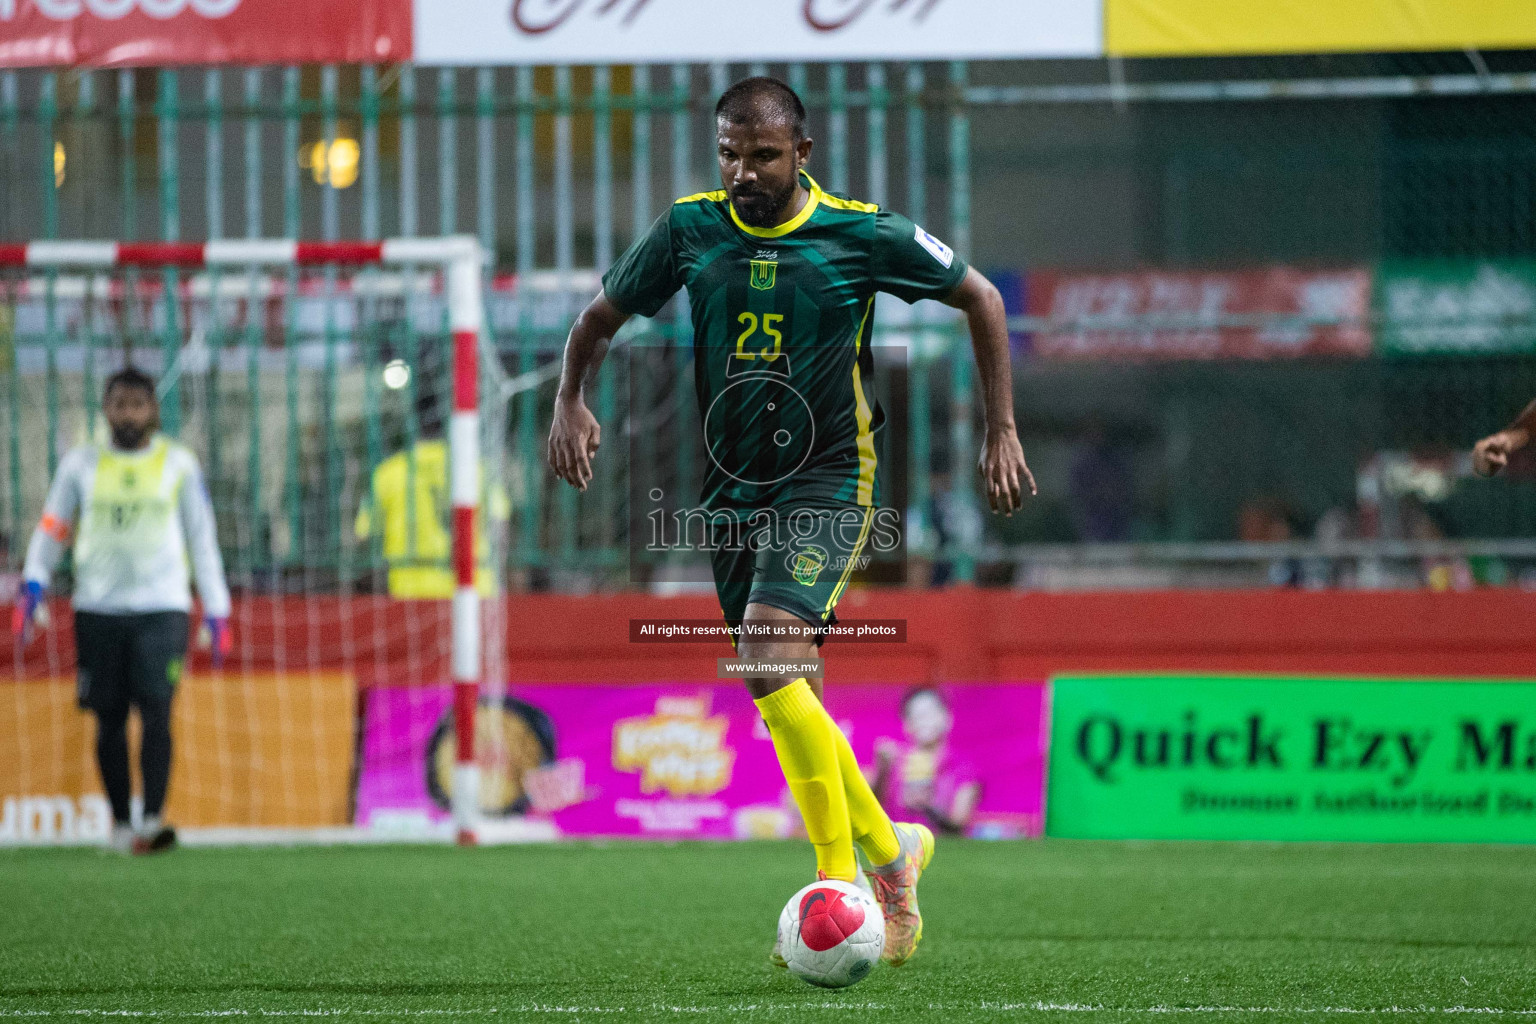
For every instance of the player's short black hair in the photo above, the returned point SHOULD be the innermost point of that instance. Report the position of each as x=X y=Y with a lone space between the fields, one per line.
x=130 y=377
x=429 y=410
x=762 y=98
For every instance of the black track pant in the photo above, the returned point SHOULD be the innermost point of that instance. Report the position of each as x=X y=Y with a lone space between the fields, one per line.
x=131 y=661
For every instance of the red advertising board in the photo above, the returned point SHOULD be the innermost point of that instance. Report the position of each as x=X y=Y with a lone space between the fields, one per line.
x=1272 y=313
x=136 y=33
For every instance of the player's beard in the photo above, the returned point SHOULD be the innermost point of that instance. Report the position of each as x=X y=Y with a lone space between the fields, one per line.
x=128 y=436
x=760 y=208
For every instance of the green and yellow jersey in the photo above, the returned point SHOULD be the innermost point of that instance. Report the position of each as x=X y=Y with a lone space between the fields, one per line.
x=781 y=334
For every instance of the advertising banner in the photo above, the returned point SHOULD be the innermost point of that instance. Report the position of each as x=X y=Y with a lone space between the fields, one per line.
x=260 y=750
x=1182 y=28
x=1193 y=305
x=1460 y=307
x=136 y=33
x=1307 y=759
x=696 y=761
x=656 y=31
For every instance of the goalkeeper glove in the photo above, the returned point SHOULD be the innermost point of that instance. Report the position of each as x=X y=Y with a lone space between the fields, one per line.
x=220 y=640
x=29 y=599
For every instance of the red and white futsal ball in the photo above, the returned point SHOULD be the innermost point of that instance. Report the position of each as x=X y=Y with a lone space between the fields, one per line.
x=831 y=934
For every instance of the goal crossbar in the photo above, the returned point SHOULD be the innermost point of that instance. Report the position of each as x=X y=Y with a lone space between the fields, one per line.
x=461 y=260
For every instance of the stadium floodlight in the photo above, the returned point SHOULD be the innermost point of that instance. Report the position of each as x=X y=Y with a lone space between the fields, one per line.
x=459 y=262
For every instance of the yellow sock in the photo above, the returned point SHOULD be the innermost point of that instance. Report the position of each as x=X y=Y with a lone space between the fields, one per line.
x=872 y=828
x=803 y=737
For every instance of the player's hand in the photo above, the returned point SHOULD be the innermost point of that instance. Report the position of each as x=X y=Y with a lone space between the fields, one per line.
x=217 y=638
x=26 y=616
x=574 y=438
x=1491 y=454
x=1004 y=471
x=222 y=640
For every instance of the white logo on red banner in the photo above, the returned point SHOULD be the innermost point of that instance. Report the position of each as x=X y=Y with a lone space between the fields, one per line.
x=139 y=33
x=111 y=10
x=1245 y=314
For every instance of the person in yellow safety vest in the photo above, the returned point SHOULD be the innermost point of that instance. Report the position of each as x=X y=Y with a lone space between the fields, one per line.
x=409 y=503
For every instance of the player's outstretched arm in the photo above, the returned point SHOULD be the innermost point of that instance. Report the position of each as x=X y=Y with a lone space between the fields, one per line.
x=46 y=549
x=574 y=435
x=201 y=533
x=1492 y=453
x=1002 y=464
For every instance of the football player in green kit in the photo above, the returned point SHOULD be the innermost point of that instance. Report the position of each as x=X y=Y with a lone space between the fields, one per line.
x=781 y=279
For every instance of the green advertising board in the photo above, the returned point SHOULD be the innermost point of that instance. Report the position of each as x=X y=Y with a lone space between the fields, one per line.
x=1455 y=307
x=1170 y=757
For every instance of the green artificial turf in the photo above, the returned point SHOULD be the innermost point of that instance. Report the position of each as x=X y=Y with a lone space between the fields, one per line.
x=1069 y=931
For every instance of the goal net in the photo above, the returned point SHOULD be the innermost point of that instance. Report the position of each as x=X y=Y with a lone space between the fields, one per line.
x=334 y=396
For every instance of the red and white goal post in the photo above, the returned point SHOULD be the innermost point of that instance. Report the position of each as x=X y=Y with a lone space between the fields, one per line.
x=459 y=260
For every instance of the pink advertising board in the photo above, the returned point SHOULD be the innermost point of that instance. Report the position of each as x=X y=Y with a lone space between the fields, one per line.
x=693 y=761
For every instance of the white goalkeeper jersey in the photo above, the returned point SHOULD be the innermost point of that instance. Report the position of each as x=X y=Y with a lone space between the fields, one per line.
x=137 y=518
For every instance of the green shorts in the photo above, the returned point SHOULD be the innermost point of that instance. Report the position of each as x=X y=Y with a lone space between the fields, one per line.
x=802 y=564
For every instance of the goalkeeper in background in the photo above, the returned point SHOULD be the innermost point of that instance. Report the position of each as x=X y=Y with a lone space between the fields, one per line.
x=136 y=510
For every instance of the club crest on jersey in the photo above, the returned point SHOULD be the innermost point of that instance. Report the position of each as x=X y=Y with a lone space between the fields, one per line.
x=764 y=273
x=807 y=565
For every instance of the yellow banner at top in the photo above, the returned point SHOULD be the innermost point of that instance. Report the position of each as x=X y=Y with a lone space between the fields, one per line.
x=1189 y=28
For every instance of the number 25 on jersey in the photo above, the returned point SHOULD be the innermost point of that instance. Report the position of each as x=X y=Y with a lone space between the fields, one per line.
x=753 y=324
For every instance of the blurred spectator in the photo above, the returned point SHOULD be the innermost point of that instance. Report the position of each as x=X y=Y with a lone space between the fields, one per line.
x=1101 y=488
x=1396 y=492
x=1265 y=520
x=1333 y=527
x=1438 y=573
x=408 y=507
x=951 y=518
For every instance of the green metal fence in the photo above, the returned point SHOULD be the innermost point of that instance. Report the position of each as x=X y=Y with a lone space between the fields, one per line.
x=556 y=169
